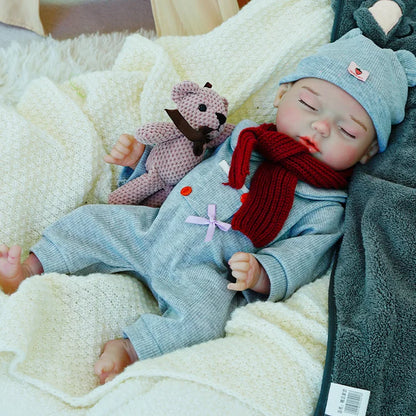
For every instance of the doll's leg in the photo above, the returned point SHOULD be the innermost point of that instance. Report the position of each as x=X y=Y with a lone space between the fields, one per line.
x=195 y=308
x=190 y=321
x=93 y=238
x=96 y=239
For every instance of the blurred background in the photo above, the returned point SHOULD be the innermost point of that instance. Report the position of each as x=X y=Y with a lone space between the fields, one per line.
x=25 y=20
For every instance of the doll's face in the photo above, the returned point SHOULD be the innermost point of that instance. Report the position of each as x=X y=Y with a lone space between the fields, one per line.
x=327 y=120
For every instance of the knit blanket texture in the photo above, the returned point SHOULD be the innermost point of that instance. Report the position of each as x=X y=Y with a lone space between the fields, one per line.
x=51 y=161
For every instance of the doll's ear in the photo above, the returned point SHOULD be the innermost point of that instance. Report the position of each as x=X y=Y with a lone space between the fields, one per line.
x=371 y=151
x=281 y=91
x=183 y=89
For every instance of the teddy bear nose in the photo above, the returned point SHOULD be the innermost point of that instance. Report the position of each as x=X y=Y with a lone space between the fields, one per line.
x=221 y=118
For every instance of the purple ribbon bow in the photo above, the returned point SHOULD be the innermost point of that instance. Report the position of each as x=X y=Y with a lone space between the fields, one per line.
x=210 y=221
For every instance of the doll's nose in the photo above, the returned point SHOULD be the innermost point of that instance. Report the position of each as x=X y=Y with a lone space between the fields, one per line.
x=323 y=127
x=221 y=117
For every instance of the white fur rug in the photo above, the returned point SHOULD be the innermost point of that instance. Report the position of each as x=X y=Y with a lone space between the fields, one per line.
x=57 y=60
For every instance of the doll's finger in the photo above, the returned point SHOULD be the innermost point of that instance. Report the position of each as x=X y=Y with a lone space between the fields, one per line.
x=3 y=250
x=116 y=154
x=14 y=254
x=103 y=376
x=239 y=260
x=240 y=276
x=241 y=266
x=237 y=286
x=109 y=378
x=112 y=160
x=120 y=148
x=103 y=366
x=239 y=256
x=109 y=159
x=125 y=150
x=126 y=139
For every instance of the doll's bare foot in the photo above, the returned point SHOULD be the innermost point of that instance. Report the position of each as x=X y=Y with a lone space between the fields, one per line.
x=386 y=13
x=117 y=355
x=13 y=271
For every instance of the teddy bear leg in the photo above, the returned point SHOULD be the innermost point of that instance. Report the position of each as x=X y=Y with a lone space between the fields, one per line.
x=136 y=190
x=157 y=199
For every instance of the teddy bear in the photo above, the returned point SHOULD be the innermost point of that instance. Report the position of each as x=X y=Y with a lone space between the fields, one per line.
x=198 y=123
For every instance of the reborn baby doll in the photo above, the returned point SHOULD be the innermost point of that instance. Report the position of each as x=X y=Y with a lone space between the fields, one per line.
x=273 y=234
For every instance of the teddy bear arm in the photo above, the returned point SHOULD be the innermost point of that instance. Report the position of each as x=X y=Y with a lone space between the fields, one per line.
x=155 y=133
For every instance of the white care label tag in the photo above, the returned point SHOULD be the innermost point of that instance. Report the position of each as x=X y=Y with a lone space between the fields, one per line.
x=346 y=401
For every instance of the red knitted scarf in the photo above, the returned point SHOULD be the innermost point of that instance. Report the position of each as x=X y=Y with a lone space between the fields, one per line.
x=272 y=187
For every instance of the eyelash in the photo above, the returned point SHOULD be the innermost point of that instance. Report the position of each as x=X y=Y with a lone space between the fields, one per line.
x=346 y=133
x=307 y=105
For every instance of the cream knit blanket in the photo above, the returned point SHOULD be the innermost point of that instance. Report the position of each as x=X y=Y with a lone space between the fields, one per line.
x=52 y=144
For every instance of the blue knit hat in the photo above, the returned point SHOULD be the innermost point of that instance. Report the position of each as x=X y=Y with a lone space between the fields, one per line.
x=377 y=78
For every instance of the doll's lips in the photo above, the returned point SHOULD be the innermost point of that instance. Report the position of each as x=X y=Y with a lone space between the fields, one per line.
x=309 y=144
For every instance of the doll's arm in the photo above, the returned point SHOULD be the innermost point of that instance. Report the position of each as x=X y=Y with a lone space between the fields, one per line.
x=305 y=254
x=249 y=274
x=155 y=133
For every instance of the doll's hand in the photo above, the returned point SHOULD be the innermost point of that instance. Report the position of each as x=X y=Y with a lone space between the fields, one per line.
x=249 y=273
x=126 y=152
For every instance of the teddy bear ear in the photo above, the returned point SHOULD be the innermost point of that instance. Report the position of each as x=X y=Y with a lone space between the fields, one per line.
x=225 y=104
x=183 y=89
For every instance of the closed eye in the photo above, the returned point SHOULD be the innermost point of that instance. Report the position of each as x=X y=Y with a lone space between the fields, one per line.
x=307 y=105
x=346 y=133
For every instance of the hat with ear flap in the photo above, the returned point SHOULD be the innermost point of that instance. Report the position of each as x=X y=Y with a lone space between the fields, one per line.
x=377 y=78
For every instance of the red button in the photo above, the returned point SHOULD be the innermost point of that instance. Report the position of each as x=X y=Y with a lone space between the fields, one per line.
x=243 y=198
x=186 y=190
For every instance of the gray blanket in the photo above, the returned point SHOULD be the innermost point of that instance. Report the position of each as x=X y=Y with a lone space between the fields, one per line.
x=372 y=300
